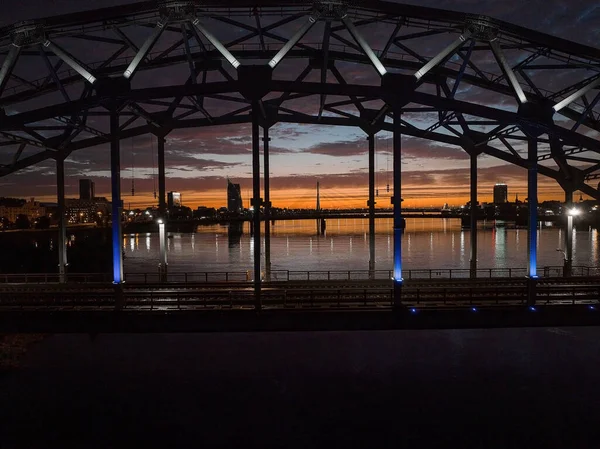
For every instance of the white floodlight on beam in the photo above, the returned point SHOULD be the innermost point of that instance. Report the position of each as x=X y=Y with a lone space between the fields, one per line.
x=446 y=52
x=71 y=61
x=215 y=42
x=574 y=96
x=143 y=51
x=293 y=41
x=365 y=46
x=510 y=75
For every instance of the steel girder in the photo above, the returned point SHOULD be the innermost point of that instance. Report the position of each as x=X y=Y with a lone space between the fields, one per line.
x=489 y=85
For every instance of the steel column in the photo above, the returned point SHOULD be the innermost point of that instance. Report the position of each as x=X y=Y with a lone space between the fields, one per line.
x=162 y=247
x=162 y=208
x=256 y=201
x=371 y=204
x=397 y=203
x=473 y=217
x=266 y=140
x=568 y=263
x=62 y=220
x=115 y=176
x=533 y=218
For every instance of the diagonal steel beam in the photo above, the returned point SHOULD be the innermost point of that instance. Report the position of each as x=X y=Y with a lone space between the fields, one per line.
x=441 y=57
x=507 y=70
x=390 y=41
x=411 y=52
x=365 y=46
x=463 y=67
x=216 y=43
x=340 y=79
x=312 y=19
x=529 y=81
x=18 y=154
x=588 y=110
x=8 y=65
x=325 y=67
x=123 y=36
x=53 y=74
x=71 y=61
x=259 y=29
x=578 y=94
x=144 y=50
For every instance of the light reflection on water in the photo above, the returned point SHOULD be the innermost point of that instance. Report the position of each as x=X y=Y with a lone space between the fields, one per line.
x=295 y=245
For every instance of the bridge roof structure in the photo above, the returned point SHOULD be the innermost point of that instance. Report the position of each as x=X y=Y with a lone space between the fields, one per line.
x=464 y=80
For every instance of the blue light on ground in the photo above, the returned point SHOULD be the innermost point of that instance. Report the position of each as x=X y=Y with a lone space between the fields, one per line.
x=533 y=309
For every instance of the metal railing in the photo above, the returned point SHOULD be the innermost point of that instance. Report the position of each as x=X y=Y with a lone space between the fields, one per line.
x=294 y=275
x=324 y=298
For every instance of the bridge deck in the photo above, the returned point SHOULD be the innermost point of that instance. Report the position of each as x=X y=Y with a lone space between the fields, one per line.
x=457 y=303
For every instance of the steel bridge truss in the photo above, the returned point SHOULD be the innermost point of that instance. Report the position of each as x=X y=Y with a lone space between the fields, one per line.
x=491 y=88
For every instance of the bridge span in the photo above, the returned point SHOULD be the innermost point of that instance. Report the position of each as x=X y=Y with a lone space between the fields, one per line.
x=294 y=305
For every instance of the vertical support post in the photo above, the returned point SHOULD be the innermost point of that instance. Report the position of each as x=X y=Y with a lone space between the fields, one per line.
x=62 y=220
x=568 y=262
x=397 y=203
x=371 y=204
x=115 y=176
x=162 y=209
x=533 y=219
x=162 y=244
x=474 y=209
x=256 y=202
x=266 y=140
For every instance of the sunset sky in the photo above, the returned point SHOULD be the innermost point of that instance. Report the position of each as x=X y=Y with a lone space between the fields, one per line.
x=200 y=160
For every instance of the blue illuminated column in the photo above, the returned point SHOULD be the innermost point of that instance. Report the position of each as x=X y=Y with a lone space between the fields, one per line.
x=533 y=208
x=397 y=202
x=115 y=177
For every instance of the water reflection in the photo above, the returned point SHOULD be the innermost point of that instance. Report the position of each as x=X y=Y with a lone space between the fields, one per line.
x=594 y=244
x=429 y=243
x=499 y=246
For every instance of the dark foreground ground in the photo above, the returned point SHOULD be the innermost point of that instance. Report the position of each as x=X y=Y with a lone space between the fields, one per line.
x=460 y=389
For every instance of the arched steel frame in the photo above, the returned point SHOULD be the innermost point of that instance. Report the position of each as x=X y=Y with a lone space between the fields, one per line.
x=487 y=86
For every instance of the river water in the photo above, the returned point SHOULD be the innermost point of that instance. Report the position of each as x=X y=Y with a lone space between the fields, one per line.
x=428 y=243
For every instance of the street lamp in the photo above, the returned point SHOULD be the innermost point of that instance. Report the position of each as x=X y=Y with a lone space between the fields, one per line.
x=162 y=266
x=568 y=267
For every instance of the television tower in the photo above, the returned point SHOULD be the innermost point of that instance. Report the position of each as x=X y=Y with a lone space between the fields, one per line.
x=318 y=198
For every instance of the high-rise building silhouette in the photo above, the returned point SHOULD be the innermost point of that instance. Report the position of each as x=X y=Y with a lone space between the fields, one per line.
x=173 y=200
x=500 y=194
x=87 y=189
x=234 y=197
